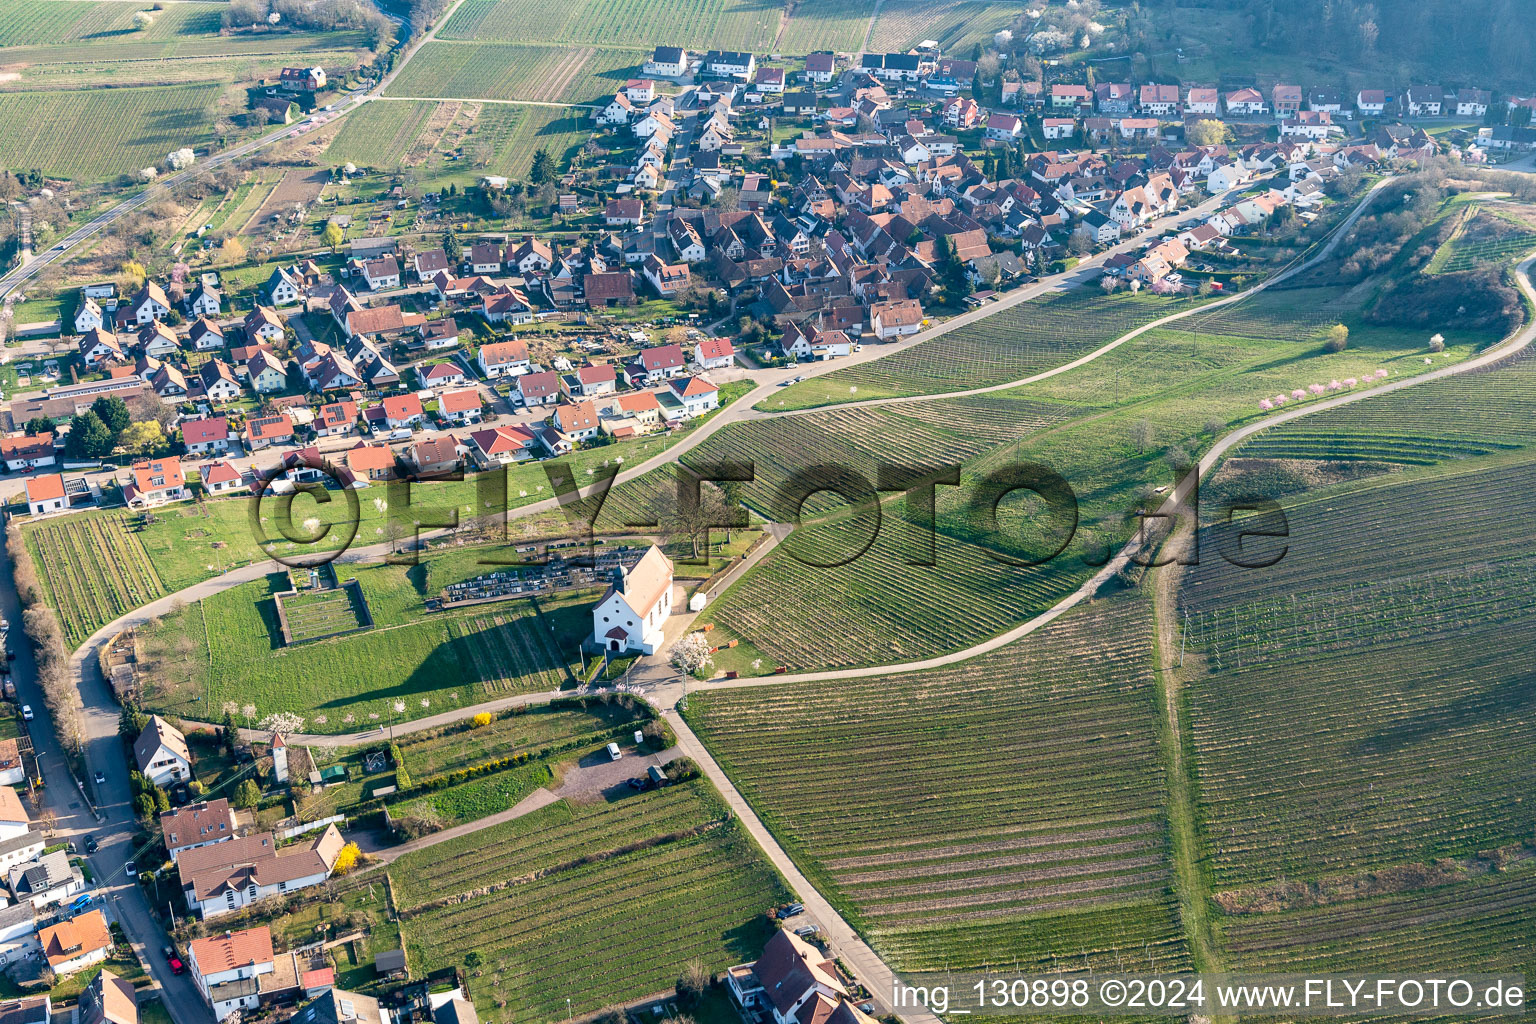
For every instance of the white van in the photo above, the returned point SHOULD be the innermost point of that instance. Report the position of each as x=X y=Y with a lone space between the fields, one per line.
x=614 y=753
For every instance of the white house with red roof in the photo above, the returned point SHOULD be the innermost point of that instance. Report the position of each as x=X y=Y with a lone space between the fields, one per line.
x=222 y=478
x=662 y=362
x=502 y=445
x=207 y=435
x=403 y=411
x=500 y=358
x=46 y=494
x=155 y=482
x=715 y=354
x=793 y=982
x=697 y=394
x=632 y=614
x=225 y=968
x=460 y=406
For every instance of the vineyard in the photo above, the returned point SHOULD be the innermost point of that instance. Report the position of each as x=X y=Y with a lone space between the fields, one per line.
x=1375 y=679
x=92 y=571
x=824 y=25
x=978 y=813
x=224 y=649
x=1481 y=924
x=380 y=134
x=957 y=25
x=603 y=903
x=130 y=128
x=638 y=25
x=1014 y=343
x=1483 y=236
x=515 y=71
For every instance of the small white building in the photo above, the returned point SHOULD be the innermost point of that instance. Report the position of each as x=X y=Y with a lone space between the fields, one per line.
x=632 y=614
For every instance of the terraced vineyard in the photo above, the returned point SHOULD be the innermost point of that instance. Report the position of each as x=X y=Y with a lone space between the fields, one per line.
x=978 y=813
x=92 y=571
x=380 y=134
x=603 y=902
x=1017 y=342
x=1375 y=679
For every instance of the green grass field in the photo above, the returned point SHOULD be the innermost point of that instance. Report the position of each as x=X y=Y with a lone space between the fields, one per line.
x=601 y=902
x=227 y=649
x=958 y=25
x=130 y=128
x=632 y=24
x=1006 y=809
x=516 y=71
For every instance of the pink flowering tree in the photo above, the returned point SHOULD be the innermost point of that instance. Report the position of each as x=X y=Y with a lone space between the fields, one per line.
x=1298 y=394
x=1381 y=373
x=1281 y=399
x=1266 y=404
x=1350 y=382
x=1334 y=385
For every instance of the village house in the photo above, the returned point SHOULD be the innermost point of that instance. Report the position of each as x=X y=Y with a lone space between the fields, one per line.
x=108 y=999
x=1371 y=102
x=45 y=882
x=794 y=982
x=1070 y=97
x=1285 y=100
x=403 y=412
x=608 y=289
x=501 y=445
x=266 y=431
x=1471 y=102
x=369 y=462
x=461 y=407
x=155 y=482
x=157 y=340
x=265 y=374
x=1003 y=127
x=12 y=771
x=668 y=62
x=148 y=303
x=263 y=324
x=500 y=358
x=1245 y=102
x=382 y=273
x=714 y=354
x=697 y=395
x=205 y=435
x=46 y=494
x=662 y=362
x=1315 y=125
x=1159 y=100
x=161 y=753
x=485 y=258
x=222 y=478
x=75 y=944
x=283 y=288
x=99 y=346
x=206 y=335
x=1112 y=97
x=576 y=422
x=88 y=316
x=435 y=456
x=219 y=382
x=440 y=375
x=22 y=452
x=624 y=212
x=896 y=318
x=224 y=877
x=1202 y=100
x=630 y=415
x=633 y=612
x=820 y=68
x=204 y=301
x=541 y=388
x=590 y=381
x=225 y=968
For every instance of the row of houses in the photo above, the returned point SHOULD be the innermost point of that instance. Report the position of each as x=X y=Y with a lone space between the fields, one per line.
x=1282 y=101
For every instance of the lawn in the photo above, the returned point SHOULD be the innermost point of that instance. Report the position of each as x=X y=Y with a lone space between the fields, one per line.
x=226 y=650
x=1008 y=809
x=131 y=128
x=601 y=902
x=475 y=799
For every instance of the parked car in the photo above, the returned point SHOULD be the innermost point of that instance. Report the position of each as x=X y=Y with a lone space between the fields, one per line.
x=101 y=778
x=81 y=904
x=806 y=930
x=91 y=844
x=614 y=753
x=793 y=909
x=131 y=870
x=175 y=961
x=26 y=712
